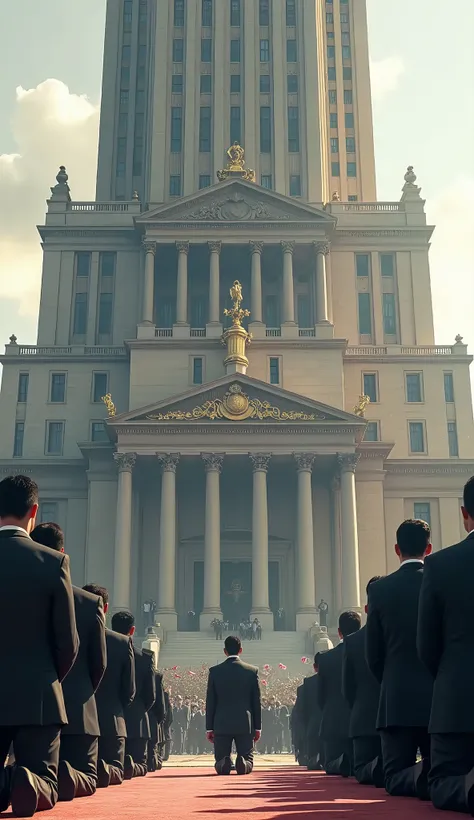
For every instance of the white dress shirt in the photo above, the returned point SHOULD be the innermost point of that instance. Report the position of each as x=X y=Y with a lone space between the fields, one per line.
x=411 y=561
x=11 y=527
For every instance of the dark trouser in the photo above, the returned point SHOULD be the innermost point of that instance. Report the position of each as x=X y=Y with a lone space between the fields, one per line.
x=81 y=752
x=36 y=748
x=166 y=750
x=337 y=754
x=112 y=752
x=366 y=752
x=243 y=745
x=313 y=747
x=452 y=758
x=136 y=747
x=400 y=746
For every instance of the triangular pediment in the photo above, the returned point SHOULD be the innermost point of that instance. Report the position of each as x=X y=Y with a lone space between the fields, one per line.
x=235 y=399
x=236 y=201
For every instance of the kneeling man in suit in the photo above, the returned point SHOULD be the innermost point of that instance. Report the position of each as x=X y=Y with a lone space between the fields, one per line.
x=233 y=710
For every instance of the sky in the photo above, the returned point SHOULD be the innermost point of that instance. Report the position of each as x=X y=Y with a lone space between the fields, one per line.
x=423 y=91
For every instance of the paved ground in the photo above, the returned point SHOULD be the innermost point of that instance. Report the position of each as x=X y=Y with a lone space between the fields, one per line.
x=262 y=761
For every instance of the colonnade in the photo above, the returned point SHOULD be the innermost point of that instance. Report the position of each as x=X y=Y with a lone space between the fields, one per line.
x=213 y=464
x=321 y=251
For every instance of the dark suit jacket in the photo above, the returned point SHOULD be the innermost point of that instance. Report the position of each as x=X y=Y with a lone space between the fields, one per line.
x=136 y=716
x=36 y=606
x=88 y=670
x=406 y=685
x=446 y=636
x=117 y=689
x=233 y=705
x=335 y=710
x=156 y=715
x=181 y=717
x=359 y=687
x=311 y=709
x=168 y=718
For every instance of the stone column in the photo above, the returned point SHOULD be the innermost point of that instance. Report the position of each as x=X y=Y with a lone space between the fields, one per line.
x=256 y=313
x=212 y=541
x=182 y=284
x=149 y=283
x=123 y=532
x=167 y=561
x=260 y=595
x=349 y=536
x=214 y=282
x=322 y=314
x=288 y=285
x=306 y=596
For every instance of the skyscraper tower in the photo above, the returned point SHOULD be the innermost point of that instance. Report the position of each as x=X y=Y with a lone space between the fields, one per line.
x=287 y=79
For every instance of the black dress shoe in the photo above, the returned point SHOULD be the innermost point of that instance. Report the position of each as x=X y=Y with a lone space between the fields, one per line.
x=421 y=779
x=5 y=784
x=24 y=797
x=224 y=766
x=242 y=766
x=66 y=782
x=469 y=787
x=378 y=778
x=128 y=767
x=344 y=766
x=103 y=774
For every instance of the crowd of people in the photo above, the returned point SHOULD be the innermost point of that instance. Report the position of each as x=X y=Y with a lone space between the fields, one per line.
x=248 y=629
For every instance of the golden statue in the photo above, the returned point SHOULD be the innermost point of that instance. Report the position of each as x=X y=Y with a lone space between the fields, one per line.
x=236 y=337
x=359 y=409
x=236 y=165
x=236 y=312
x=111 y=411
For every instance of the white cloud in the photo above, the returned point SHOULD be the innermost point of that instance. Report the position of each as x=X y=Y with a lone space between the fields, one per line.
x=385 y=76
x=51 y=127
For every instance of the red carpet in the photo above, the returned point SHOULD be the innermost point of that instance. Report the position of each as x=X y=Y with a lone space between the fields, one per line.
x=271 y=794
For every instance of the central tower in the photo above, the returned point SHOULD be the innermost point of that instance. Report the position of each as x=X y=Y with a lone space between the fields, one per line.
x=287 y=79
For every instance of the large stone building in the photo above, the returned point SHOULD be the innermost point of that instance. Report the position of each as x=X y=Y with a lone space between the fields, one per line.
x=205 y=484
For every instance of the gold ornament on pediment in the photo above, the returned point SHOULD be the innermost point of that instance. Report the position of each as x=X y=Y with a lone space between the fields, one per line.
x=236 y=165
x=362 y=404
x=107 y=400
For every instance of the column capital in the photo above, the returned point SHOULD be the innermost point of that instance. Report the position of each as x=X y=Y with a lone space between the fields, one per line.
x=168 y=461
x=256 y=247
x=215 y=247
x=125 y=461
x=288 y=247
x=304 y=461
x=260 y=461
x=322 y=247
x=348 y=462
x=213 y=462
x=148 y=246
x=182 y=247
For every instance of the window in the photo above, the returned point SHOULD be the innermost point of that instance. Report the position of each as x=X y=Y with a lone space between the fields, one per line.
x=274 y=370
x=348 y=97
x=422 y=511
x=346 y=52
x=349 y=119
x=98 y=431
x=175 y=185
x=271 y=311
x=332 y=74
x=266 y=181
x=330 y=35
x=351 y=169
x=362 y=264
x=291 y=51
x=48 y=512
x=18 y=439
x=264 y=13
x=290 y=13
x=23 y=381
x=58 y=388
x=235 y=124
x=448 y=387
x=107 y=263
x=352 y=198
x=346 y=38
x=303 y=310
x=206 y=13
x=264 y=51
x=387 y=264
x=179 y=13
x=350 y=145
x=126 y=55
x=329 y=17
x=120 y=170
x=417 y=436
x=265 y=130
x=295 y=185
x=292 y=83
x=347 y=73
x=178 y=50
x=335 y=169
x=453 y=439
x=176 y=129
x=332 y=96
x=389 y=315
x=177 y=84
x=264 y=83
x=344 y=17
x=370 y=386
x=83 y=263
x=333 y=120
x=372 y=431
x=205 y=129
x=125 y=76
x=105 y=313
x=293 y=129
x=206 y=83
x=235 y=12
x=54 y=437
x=100 y=383
x=79 y=324
x=365 y=314
x=127 y=11
x=206 y=50
x=235 y=51
x=197 y=370
x=204 y=180
x=334 y=145
x=235 y=83
x=124 y=98
x=414 y=392
x=331 y=52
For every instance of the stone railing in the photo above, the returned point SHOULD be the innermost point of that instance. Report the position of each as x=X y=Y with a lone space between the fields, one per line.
x=307 y=332
x=372 y=207
x=163 y=332
x=102 y=207
x=68 y=350
x=401 y=350
x=197 y=332
x=273 y=332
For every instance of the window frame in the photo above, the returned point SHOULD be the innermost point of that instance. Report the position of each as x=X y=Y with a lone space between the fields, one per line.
x=205 y=56
x=177 y=53
x=235 y=14
x=453 y=423
x=279 y=364
x=395 y=314
x=19 y=393
x=293 y=178
x=49 y=422
x=422 y=422
x=418 y=373
x=192 y=359
x=175 y=177
x=375 y=374
x=388 y=255
x=264 y=50
x=418 y=517
x=95 y=373
x=367 y=294
x=102 y=422
x=377 y=428
x=45 y=519
x=235 y=45
x=18 y=453
x=292 y=50
x=53 y=373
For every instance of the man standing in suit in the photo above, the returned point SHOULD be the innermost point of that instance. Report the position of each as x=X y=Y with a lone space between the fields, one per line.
x=362 y=692
x=335 y=713
x=181 y=718
x=113 y=697
x=31 y=700
x=156 y=716
x=312 y=718
x=233 y=710
x=298 y=727
x=406 y=685
x=79 y=748
x=136 y=716
x=446 y=647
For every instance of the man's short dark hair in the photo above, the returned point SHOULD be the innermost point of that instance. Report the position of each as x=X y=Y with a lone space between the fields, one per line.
x=349 y=622
x=98 y=590
x=413 y=537
x=468 y=497
x=49 y=535
x=233 y=645
x=122 y=622
x=18 y=494
x=372 y=581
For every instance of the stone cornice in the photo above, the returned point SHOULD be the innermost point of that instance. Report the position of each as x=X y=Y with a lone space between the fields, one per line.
x=388 y=358
x=301 y=343
x=259 y=428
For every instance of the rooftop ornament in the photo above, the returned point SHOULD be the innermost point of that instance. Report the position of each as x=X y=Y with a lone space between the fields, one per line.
x=236 y=338
x=236 y=165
